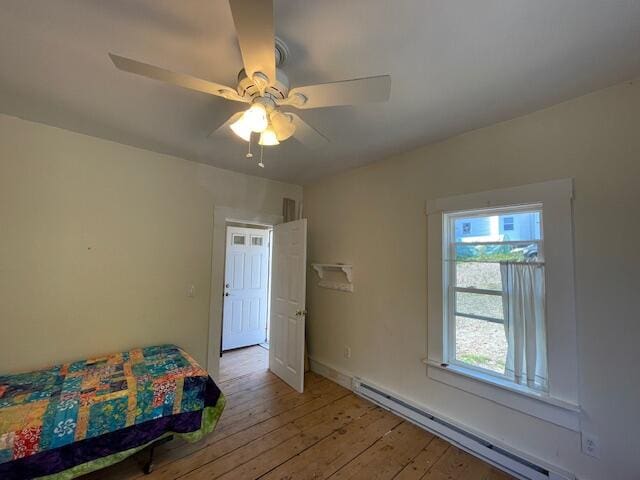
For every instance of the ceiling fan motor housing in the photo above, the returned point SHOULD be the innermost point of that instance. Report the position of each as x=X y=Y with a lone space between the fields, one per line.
x=278 y=89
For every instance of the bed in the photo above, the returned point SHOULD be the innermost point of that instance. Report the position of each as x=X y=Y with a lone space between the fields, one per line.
x=71 y=419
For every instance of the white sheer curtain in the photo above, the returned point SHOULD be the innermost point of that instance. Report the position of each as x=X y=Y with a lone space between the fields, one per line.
x=523 y=298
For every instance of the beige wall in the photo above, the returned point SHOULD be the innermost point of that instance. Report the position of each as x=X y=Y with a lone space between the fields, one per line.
x=374 y=218
x=99 y=242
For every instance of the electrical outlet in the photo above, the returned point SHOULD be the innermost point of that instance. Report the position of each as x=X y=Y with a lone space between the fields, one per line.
x=590 y=445
x=347 y=352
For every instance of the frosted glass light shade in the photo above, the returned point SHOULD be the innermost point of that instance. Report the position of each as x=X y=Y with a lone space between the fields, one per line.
x=268 y=138
x=256 y=118
x=241 y=129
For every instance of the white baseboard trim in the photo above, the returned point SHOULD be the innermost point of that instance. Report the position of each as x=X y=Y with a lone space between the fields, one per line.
x=343 y=379
x=516 y=463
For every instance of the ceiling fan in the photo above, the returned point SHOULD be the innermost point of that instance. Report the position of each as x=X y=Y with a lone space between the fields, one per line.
x=265 y=86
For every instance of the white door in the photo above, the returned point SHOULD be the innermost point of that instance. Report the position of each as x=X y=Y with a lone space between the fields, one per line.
x=244 y=320
x=288 y=285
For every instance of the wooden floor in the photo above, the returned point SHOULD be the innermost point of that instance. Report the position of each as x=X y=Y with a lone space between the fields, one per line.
x=269 y=431
x=241 y=362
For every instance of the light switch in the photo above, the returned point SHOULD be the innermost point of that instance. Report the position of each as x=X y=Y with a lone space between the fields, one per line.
x=191 y=291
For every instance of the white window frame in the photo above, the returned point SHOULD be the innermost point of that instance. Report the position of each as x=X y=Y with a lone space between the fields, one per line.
x=560 y=405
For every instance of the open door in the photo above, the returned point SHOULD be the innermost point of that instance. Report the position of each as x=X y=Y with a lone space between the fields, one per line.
x=288 y=292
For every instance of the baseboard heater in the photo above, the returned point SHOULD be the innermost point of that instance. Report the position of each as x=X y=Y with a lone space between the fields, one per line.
x=511 y=463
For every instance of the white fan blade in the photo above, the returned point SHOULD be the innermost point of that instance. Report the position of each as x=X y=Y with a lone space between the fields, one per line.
x=306 y=134
x=225 y=127
x=254 y=27
x=282 y=124
x=346 y=92
x=179 y=79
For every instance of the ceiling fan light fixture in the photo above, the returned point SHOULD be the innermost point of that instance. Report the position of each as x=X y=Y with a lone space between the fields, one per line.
x=256 y=118
x=242 y=129
x=263 y=85
x=282 y=124
x=268 y=138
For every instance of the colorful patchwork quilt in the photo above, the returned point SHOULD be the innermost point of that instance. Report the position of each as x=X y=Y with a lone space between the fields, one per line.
x=66 y=420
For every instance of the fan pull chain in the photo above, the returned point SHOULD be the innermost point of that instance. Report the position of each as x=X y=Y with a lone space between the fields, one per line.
x=260 y=164
x=249 y=154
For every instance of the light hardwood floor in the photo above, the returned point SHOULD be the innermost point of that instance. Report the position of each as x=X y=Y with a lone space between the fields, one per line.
x=238 y=363
x=269 y=431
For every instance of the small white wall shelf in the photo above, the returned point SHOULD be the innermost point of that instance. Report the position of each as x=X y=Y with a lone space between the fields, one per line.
x=322 y=268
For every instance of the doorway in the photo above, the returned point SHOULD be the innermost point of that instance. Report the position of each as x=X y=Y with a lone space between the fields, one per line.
x=286 y=327
x=246 y=300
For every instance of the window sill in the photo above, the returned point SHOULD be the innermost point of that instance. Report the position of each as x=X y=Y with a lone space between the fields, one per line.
x=545 y=407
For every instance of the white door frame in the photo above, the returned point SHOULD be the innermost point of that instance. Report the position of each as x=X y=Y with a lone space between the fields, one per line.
x=222 y=215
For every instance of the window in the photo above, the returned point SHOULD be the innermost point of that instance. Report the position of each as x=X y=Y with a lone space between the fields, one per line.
x=499 y=262
x=256 y=241
x=479 y=299
x=238 y=239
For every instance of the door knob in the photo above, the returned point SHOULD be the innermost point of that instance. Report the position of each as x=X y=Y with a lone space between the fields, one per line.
x=226 y=294
x=226 y=285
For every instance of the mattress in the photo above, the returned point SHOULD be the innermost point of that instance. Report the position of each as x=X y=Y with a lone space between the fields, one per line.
x=70 y=419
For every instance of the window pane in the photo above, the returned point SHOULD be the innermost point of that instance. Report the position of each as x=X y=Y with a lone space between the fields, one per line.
x=519 y=252
x=256 y=241
x=481 y=344
x=238 y=239
x=478 y=275
x=479 y=304
x=507 y=227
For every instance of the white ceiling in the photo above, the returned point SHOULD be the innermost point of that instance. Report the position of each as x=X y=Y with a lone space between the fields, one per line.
x=456 y=65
